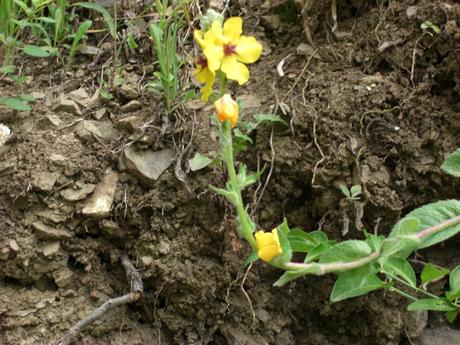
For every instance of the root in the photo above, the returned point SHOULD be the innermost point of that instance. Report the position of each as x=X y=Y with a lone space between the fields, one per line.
x=136 y=291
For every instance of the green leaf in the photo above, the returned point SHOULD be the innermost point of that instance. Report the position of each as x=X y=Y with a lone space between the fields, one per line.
x=355 y=283
x=436 y=304
x=243 y=179
x=319 y=250
x=199 y=162
x=107 y=17
x=345 y=191
x=356 y=190
x=399 y=267
x=229 y=195
x=431 y=273
x=15 y=103
x=26 y=97
x=451 y=315
x=301 y=241
x=453 y=295
x=403 y=239
x=7 y=69
x=434 y=214
x=35 y=51
x=252 y=257
x=452 y=164
x=286 y=255
x=346 y=251
x=454 y=279
x=132 y=42
x=81 y=31
x=240 y=135
x=374 y=241
x=260 y=118
x=291 y=275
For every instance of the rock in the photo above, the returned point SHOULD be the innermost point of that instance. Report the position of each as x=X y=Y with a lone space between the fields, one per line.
x=51 y=248
x=38 y=95
x=5 y=134
x=271 y=22
x=67 y=105
x=53 y=119
x=47 y=232
x=14 y=245
x=63 y=277
x=53 y=215
x=131 y=107
x=111 y=229
x=250 y=102
x=58 y=159
x=4 y=253
x=89 y=50
x=128 y=92
x=130 y=123
x=147 y=165
x=89 y=129
x=411 y=11
x=439 y=336
x=415 y=322
x=80 y=96
x=146 y=261
x=71 y=194
x=305 y=49
x=100 y=202
x=44 y=180
x=99 y=114
x=164 y=247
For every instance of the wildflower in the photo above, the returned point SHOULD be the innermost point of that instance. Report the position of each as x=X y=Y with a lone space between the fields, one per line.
x=268 y=245
x=228 y=50
x=227 y=109
x=204 y=76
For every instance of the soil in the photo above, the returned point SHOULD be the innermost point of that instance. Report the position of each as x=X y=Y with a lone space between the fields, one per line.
x=376 y=103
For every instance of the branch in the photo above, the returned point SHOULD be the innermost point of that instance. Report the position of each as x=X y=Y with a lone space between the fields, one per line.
x=136 y=287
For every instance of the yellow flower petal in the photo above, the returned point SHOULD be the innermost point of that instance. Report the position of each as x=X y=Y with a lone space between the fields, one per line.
x=248 y=49
x=233 y=27
x=235 y=70
x=198 y=35
x=268 y=245
x=214 y=55
x=215 y=35
x=206 y=90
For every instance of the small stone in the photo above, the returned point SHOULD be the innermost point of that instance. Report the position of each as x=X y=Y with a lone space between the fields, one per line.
x=4 y=253
x=100 y=202
x=146 y=261
x=250 y=102
x=439 y=336
x=147 y=165
x=67 y=105
x=164 y=247
x=271 y=22
x=53 y=119
x=81 y=193
x=14 y=245
x=63 y=277
x=58 y=159
x=411 y=11
x=112 y=229
x=80 y=96
x=128 y=92
x=38 y=95
x=305 y=49
x=130 y=123
x=51 y=248
x=47 y=232
x=44 y=180
x=89 y=50
x=131 y=107
x=5 y=134
x=99 y=114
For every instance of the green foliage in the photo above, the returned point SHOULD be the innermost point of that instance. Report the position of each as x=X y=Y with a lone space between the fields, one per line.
x=431 y=273
x=82 y=29
x=199 y=162
x=19 y=103
x=399 y=267
x=353 y=193
x=111 y=24
x=427 y=24
x=452 y=164
x=436 y=304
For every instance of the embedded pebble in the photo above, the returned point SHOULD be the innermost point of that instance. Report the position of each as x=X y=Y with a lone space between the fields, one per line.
x=131 y=107
x=100 y=202
x=47 y=232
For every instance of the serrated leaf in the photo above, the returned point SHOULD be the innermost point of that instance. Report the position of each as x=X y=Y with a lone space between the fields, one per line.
x=399 y=267
x=244 y=179
x=431 y=273
x=15 y=103
x=319 y=250
x=107 y=17
x=199 y=162
x=356 y=283
x=452 y=164
x=454 y=279
x=436 y=304
x=434 y=214
x=35 y=51
x=346 y=251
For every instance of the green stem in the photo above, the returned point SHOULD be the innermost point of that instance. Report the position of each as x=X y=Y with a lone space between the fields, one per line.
x=245 y=222
x=223 y=84
x=402 y=293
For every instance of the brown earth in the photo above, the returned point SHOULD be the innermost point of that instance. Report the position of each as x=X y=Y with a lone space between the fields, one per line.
x=385 y=119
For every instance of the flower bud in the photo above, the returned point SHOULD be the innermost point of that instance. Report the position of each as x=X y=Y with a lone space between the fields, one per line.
x=227 y=109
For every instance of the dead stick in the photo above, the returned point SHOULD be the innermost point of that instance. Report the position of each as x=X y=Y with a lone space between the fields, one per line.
x=136 y=287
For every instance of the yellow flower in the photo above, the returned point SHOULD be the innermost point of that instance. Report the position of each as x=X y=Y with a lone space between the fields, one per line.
x=227 y=109
x=268 y=245
x=204 y=75
x=228 y=50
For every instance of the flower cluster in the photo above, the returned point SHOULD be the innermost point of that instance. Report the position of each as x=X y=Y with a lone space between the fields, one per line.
x=225 y=49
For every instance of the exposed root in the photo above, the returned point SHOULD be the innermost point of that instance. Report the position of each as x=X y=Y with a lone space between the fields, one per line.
x=136 y=291
x=247 y=296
